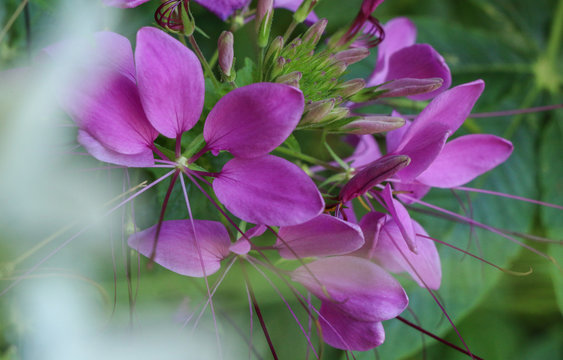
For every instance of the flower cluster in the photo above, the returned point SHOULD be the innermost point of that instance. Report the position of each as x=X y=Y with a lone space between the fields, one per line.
x=132 y=105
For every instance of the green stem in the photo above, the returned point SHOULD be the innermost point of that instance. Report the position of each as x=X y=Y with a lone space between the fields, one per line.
x=204 y=62
x=307 y=158
x=289 y=30
x=554 y=41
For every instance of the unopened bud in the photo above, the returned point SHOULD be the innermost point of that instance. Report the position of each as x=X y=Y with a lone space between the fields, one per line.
x=338 y=69
x=274 y=50
x=350 y=87
x=277 y=68
x=226 y=53
x=317 y=110
x=291 y=79
x=188 y=21
x=374 y=173
x=409 y=87
x=315 y=32
x=264 y=15
x=304 y=10
x=351 y=56
x=373 y=124
x=338 y=113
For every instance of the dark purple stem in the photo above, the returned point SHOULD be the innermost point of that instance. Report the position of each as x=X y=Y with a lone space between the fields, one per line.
x=161 y=217
x=258 y=312
x=437 y=338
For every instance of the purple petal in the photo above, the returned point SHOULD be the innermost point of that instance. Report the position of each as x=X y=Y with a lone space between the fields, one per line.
x=449 y=109
x=253 y=120
x=399 y=33
x=371 y=225
x=105 y=49
x=321 y=236
x=124 y=3
x=393 y=138
x=97 y=150
x=268 y=190
x=422 y=150
x=243 y=246
x=357 y=287
x=419 y=61
x=465 y=158
x=346 y=333
x=413 y=190
x=178 y=243
x=222 y=8
x=371 y=175
x=110 y=111
x=401 y=217
x=170 y=82
x=393 y=255
x=366 y=150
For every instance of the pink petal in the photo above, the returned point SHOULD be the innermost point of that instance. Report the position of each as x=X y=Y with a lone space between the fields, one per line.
x=124 y=3
x=393 y=255
x=110 y=111
x=321 y=236
x=399 y=33
x=449 y=109
x=401 y=217
x=170 y=82
x=243 y=246
x=105 y=49
x=253 y=120
x=419 y=61
x=346 y=333
x=366 y=150
x=357 y=287
x=413 y=190
x=371 y=175
x=177 y=249
x=465 y=158
x=393 y=138
x=422 y=150
x=97 y=150
x=222 y=8
x=268 y=190
x=371 y=226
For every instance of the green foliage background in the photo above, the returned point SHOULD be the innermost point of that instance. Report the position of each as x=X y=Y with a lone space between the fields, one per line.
x=515 y=46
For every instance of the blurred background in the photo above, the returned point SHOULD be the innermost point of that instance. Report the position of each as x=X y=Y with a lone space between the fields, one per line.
x=89 y=297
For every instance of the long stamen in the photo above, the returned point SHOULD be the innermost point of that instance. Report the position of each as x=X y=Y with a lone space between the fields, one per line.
x=202 y=266
x=83 y=230
x=511 y=272
x=258 y=312
x=161 y=217
x=431 y=294
x=490 y=192
x=288 y=307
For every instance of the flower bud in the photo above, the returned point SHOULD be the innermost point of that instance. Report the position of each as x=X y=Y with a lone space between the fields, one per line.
x=264 y=15
x=291 y=79
x=304 y=10
x=351 y=56
x=350 y=87
x=277 y=68
x=409 y=87
x=373 y=124
x=336 y=114
x=274 y=50
x=373 y=174
x=316 y=111
x=188 y=21
x=338 y=69
x=313 y=35
x=226 y=53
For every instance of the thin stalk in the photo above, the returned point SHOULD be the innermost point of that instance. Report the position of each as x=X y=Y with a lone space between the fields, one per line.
x=307 y=158
x=204 y=62
x=258 y=312
x=12 y=19
x=289 y=30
